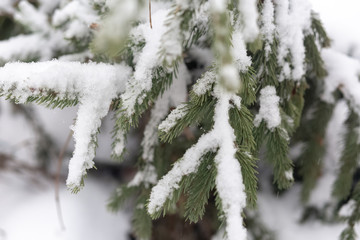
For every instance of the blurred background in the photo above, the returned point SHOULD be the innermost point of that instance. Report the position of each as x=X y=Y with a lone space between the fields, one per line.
x=32 y=138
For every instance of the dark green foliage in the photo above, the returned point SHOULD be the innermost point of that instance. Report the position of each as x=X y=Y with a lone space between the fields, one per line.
x=170 y=203
x=248 y=168
x=277 y=153
x=349 y=232
x=349 y=159
x=266 y=66
x=119 y=197
x=198 y=187
x=197 y=108
x=312 y=155
x=293 y=108
x=241 y=120
x=141 y=221
x=46 y=98
x=249 y=82
x=161 y=80
x=319 y=31
x=304 y=117
x=256 y=228
x=313 y=57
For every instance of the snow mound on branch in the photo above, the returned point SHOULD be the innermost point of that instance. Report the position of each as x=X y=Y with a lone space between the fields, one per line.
x=269 y=108
x=229 y=181
x=94 y=85
x=343 y=74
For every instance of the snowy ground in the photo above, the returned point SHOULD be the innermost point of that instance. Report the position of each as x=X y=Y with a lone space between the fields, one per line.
x=28 y=211
x=283 y=214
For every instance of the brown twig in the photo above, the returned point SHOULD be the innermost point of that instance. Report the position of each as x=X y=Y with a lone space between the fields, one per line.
x=57 y=181
x=150 y=14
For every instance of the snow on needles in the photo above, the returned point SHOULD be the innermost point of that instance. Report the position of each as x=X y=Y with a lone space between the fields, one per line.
x=293 y=20
x=81 y=14
x=173 y=96
x=94 y=85
x=229 y=183
x=6 y=6
x=269 y=108
x=249 y=13
x=268 y=26
x=343 y=74
x=42 y=43
x=147 y=61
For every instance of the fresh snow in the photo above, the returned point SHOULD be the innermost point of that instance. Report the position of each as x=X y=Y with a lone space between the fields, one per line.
x=293 y=21
x=218 y=6
x=70 y=80
x=269 y=108
x=173 y=96
x=229 y=183
x=29 y=16
x=81 y=14
x=28 y=210
x=230 y=77
x=204 y=83
x=148 y=60
x=334 y=145
x=249 y=13
x=43 y=43
x=172 y=118
x=347 y=209
x=343 y=74
x=6 y=6
x=242 y=60
x=268 y=26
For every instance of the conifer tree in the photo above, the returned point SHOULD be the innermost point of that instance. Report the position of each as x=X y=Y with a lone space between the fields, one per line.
x=219 y=81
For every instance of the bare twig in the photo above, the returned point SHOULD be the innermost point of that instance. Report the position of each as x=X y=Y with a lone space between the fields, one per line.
x=150 y=14
x=57 y=181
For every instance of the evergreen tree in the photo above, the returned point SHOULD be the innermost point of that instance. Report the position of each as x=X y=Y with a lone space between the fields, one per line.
x=218 y=81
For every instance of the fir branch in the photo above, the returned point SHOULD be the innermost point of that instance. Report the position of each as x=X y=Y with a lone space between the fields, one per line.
x=277 y=154
x=248 y=170
x=198 y=187
x=349 y=159
x=313 y=57
x=141 y=221
x=349 y=232
x=311 y=157
x=319 y=31
x=161 y=80
x=242 y=122
x=197 y=108
x=119 y=197
x=47 y=98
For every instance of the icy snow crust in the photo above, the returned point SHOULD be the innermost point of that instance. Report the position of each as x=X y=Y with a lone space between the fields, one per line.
x=94 y=85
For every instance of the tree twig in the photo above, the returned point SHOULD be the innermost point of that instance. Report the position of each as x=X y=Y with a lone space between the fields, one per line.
x=150 y=14
x=57 y=181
